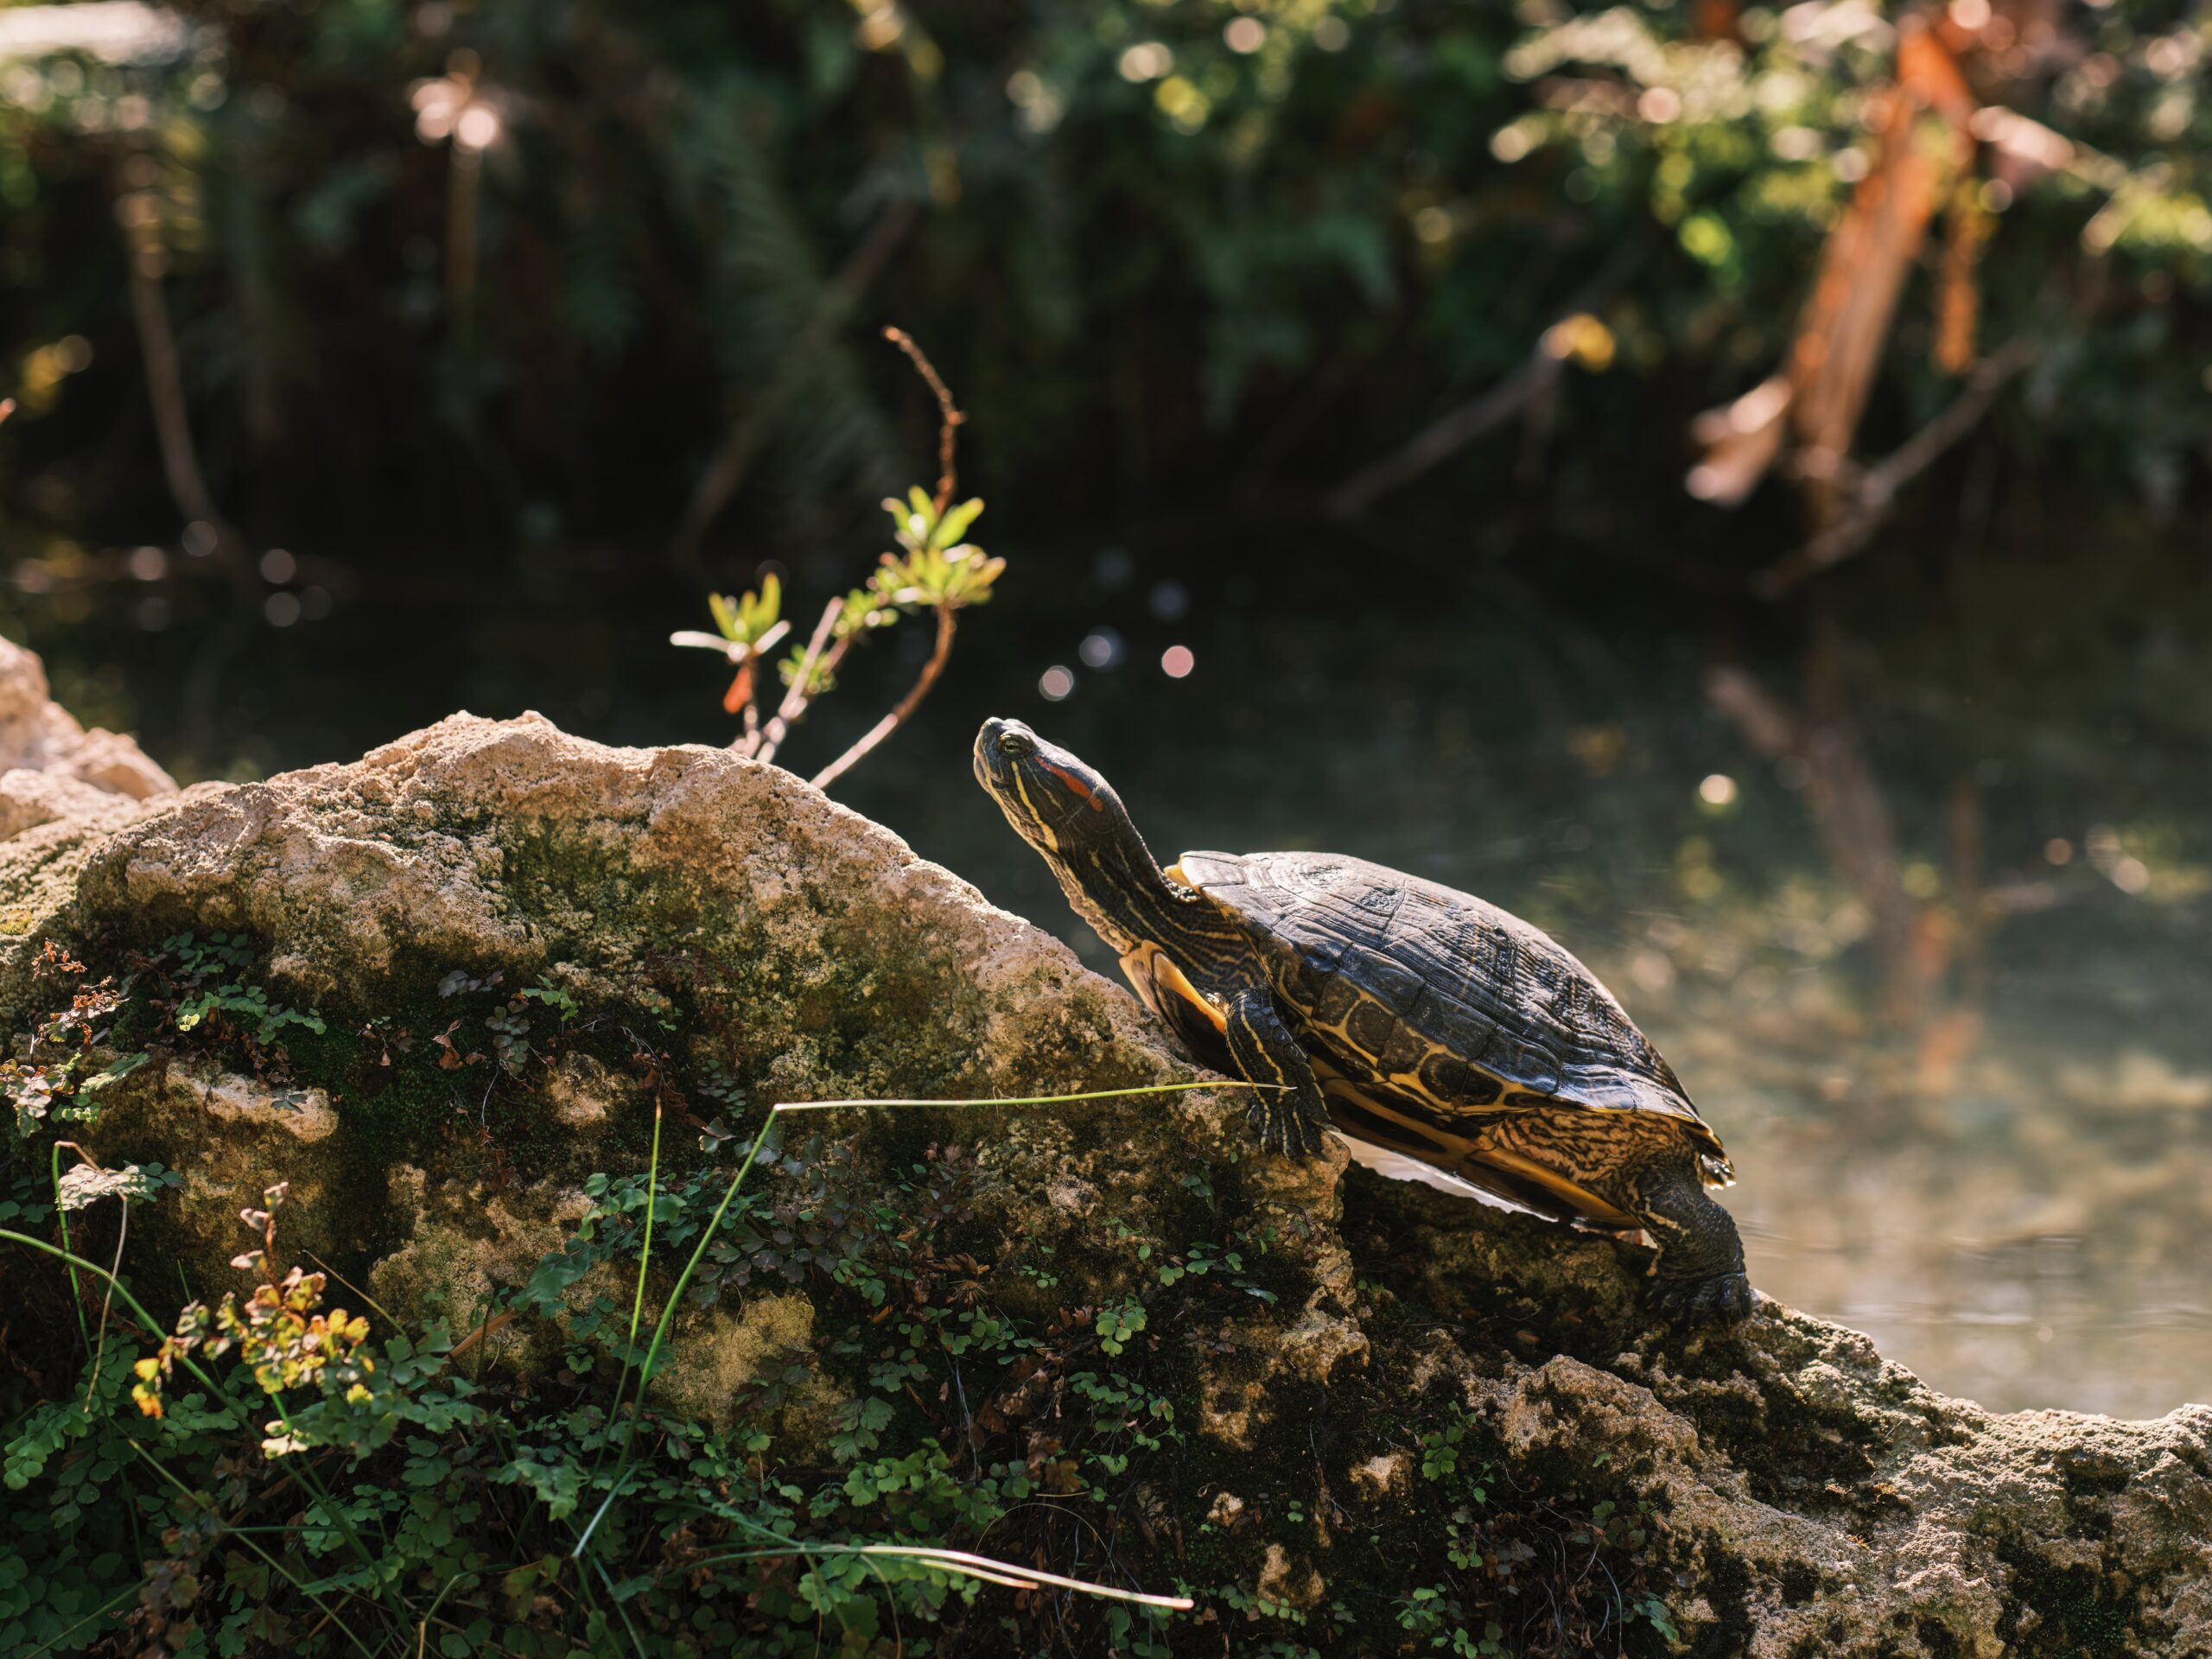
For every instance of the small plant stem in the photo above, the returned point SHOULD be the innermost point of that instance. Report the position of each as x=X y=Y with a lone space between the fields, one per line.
x=660 y=1332
x=948 y=416
x=1030 y=1100
x=371 y=1302
x=304 y=1466
x=422 y=1630
x=986 y=1567
x=615 y=1602
x=644 y=1262
x=907 y=705
x=795 y=697
x=129 y=1592
x=107 y=1301
x=137 y=1307
x=276 y=1566
x=61 y=1213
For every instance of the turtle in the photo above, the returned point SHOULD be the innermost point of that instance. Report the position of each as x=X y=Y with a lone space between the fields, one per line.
x=1440 y=1036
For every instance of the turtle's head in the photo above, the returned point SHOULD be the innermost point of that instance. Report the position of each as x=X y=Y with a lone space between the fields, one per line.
x=1071 y=815
x=1060 y=806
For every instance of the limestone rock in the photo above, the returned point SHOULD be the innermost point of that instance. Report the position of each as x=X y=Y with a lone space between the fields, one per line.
x=1817 y=1499
x=63 y=789
x=38 y=734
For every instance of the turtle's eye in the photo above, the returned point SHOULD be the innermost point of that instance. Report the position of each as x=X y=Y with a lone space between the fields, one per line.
x=1015 y=744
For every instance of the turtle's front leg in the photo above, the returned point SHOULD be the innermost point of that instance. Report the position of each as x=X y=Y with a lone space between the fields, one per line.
x=1702 y=1278
x=1287 y=1111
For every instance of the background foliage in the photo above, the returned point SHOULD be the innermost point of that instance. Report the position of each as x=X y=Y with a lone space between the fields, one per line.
x=487 y=305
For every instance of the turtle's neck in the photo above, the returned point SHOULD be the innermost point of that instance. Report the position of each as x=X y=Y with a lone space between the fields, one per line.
x=1119 y=888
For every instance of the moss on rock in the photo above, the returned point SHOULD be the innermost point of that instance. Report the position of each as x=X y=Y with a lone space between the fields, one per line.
x=1277 y=1382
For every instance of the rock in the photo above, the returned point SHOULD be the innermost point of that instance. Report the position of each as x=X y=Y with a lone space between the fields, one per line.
x=30 y=799
x=62 y=789
x=700 y=936
x=38 y=734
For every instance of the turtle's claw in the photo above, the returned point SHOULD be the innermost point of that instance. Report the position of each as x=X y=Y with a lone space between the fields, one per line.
x=1292 y=1130
x=1311 y=1123
x=1722 y=1299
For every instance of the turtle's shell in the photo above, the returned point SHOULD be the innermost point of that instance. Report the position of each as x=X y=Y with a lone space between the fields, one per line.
x=1445 y=998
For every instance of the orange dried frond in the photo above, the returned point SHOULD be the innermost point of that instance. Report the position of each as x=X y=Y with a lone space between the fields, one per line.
x=1958 y=300
x=1929 y=73
x=1822 y=387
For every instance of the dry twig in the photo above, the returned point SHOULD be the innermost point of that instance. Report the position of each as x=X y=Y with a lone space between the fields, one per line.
x=145 y=259
x=765 y=741
x=949 y=417
x=949 y=420
x=1452 y=432
x=1870 y=502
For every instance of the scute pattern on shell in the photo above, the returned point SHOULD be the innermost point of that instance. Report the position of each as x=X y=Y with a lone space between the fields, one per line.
x=1398 y=961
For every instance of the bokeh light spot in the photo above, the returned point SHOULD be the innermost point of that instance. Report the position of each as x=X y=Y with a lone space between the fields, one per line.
x=1054 y=683
x=478 y=127
x=1719 y=790
x=1177 y=662
x=1146 y=60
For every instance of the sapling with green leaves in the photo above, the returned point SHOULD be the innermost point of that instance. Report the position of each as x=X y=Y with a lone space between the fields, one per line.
x=936 y=570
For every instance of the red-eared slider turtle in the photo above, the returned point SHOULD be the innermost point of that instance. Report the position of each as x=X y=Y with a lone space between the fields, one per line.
x=1418 y=1020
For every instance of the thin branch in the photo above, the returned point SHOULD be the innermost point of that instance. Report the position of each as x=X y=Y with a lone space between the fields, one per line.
x=164 y=378
x=761 y=746
x=1443 y=438
x=1453 y=432
x=949 y=418
x=107 y=1301
x=907 y=705
x=1879 y=485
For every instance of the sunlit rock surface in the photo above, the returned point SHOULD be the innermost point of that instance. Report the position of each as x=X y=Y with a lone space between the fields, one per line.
x=1816 y=1500
x=61 y=789
x=38 y=734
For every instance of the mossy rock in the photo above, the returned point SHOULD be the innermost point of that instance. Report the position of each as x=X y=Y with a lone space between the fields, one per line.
x=685 y=914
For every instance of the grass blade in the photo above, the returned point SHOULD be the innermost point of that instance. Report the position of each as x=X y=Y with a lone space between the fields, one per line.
x=1027 y=1100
